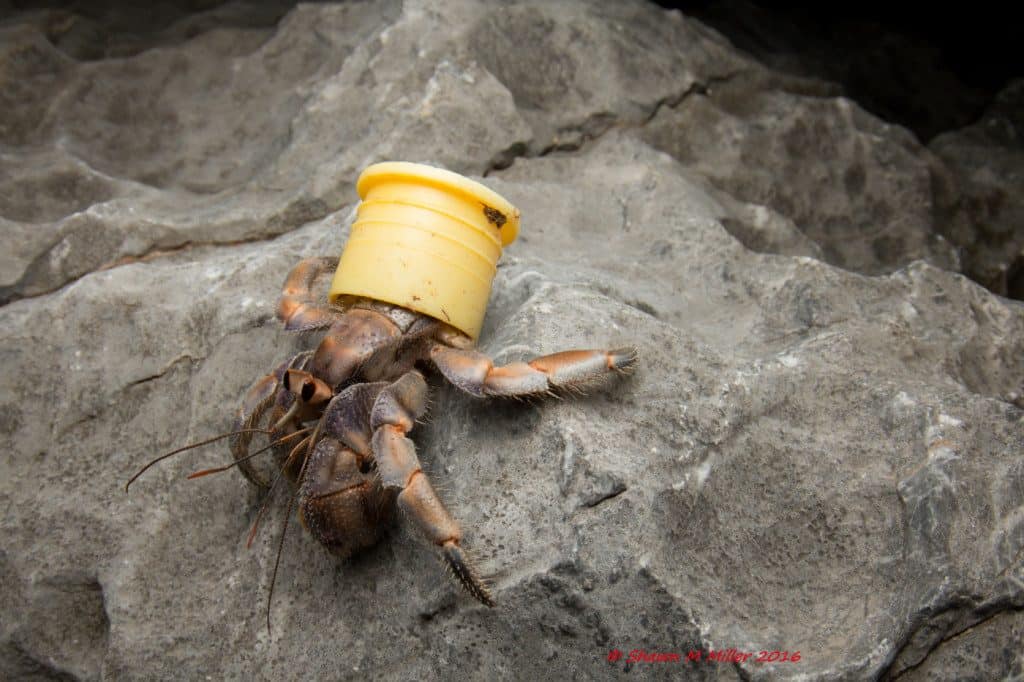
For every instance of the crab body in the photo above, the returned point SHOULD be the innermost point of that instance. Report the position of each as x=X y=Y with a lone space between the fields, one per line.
x=355 y=398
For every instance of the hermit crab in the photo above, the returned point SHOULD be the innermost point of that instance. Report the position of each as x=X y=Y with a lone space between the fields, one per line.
x=339 y=416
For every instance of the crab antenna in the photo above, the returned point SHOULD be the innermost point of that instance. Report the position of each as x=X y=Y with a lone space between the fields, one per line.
x=189 y=447
x=216 y=470
x=291 y=505
x=273 y=485
x=286 y=417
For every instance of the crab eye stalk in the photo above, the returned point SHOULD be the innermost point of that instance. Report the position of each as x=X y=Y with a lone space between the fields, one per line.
x=308 y=389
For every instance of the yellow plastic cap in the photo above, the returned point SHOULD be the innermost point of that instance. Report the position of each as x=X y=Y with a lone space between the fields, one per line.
x=426 y=239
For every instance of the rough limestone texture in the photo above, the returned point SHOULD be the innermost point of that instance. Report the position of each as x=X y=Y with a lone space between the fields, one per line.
x=983 y=193
x=819 y=452
x=873 y=209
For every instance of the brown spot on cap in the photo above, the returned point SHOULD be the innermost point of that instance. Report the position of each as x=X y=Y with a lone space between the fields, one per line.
x=495 y=217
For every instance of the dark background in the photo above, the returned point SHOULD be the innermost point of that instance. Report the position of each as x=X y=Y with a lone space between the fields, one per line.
x=929 y=67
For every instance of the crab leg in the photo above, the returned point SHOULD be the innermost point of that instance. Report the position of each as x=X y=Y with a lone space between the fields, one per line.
x=393 y=415
x=255 y=404
x=297 y=307
x=341 y=505
x=349 y=344
x=475 y=373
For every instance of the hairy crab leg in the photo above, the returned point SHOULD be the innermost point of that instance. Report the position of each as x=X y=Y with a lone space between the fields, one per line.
x=394 y=413
x=476 y=374
x=297 y=307
x=341 y=502
x=257 y=401
x=350 y=343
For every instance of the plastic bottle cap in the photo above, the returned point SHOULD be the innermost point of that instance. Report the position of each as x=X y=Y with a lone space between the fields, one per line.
x=426 y=239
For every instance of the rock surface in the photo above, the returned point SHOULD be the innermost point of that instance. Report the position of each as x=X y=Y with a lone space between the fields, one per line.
x=819 y=452
x=983 y=193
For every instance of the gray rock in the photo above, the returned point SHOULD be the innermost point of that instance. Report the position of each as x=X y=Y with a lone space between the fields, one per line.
x=982 y=193
x=574 y=71
x=858 y=188
x=807 y=459
x=233 y=136
x=983 y=646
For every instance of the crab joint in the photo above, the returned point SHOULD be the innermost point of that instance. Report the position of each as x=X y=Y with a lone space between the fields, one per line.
x=428 y=240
